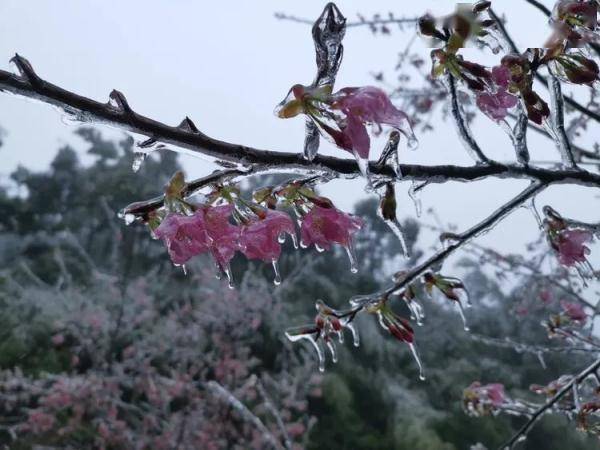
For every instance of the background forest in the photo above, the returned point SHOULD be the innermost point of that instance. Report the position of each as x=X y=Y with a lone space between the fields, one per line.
x=104 y=344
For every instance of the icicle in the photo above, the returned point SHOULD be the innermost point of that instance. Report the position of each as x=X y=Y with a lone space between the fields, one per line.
x=281 y=238
x=318 y=248
x=352 y=257
x=184 y=269
x=540 y=356
x=354 y=331
x=413 y=193
x=340 y=335
x=229 y=275
x=530 y=205
x=138 y=159
x=413 y=350
x=311 y=140
x=331 y=347
x=294 y=241
x=277 y=279
x=416 y=311
x=461 y=311
x=297 y=334
x=399 y=232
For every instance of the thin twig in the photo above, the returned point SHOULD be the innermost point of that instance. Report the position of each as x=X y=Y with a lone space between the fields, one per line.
x=222 y=393
x=549 y=404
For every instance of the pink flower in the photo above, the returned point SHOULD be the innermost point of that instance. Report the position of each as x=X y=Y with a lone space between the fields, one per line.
x=495 y=393
x=501 y=76
x=570 y=246
x=224 y=236
x=574 y=311
x=260 y=238
x=362 y=105
x=184 y=236
x=496 y=104
x=324 y=226
x=491 y=394
x=58 y=339
x=40 y=422
x=545 y=296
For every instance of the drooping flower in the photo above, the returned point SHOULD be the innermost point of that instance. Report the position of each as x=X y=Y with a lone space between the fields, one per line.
x=325 y=226
x=184 y=236
x=568 y=240
x=452 y=288
x=573 y=311
x=224 y=235
x=481 y=400
x=343 y=116
x=363 y=105
x=259 y=239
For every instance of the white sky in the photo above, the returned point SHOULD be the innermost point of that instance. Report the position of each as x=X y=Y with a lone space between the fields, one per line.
x=226 y=64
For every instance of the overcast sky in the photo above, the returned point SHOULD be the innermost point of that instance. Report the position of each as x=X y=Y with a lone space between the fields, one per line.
x=226 y=64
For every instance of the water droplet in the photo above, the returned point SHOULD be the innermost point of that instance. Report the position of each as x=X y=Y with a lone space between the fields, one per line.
x=332 y=350
x=138 y=160
x=277 y=279
x=354 y=331
x=281 y=238
x=415 y=354
x=413 y=142
x=352 y=257
x=461 y=311
x=294 y=241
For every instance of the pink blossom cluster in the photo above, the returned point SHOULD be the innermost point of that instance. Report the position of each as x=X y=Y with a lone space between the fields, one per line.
x=255 y=231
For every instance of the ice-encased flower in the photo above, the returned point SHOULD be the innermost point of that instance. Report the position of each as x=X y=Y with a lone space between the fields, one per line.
x=496 y=102
x=325 y=226
x=224 y=235
x=184 y=236
x=260 y=238
x=343 y=116
x=571 y=248
x=362 y=105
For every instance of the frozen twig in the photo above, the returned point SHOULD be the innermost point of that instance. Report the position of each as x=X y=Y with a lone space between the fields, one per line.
x=462 y=127
x=558 y=122
x=590 y=370
x=465 y=237
x=219 y=391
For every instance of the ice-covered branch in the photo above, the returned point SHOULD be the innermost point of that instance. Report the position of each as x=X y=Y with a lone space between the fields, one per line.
x=463 y=238
x=222 y=393
x=193 y=141
x=590 y=370
x=558 y=122
x=462 y=127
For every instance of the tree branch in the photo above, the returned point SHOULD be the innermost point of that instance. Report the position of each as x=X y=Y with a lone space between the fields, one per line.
x=194 y=142
x=222 y=393
x=463 y=238
x=549 y=404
